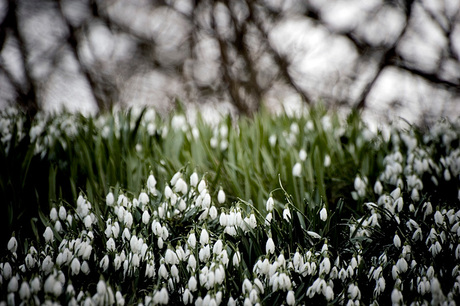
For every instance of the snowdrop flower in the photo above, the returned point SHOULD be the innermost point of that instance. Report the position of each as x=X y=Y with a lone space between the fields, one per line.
x=415 y=195
x=85 y=268
x=128 y=220
x=223 y=219
x=270 y=204
x=247 y=286
x=24 y=291
x=151 y=185
x=325 y=266
x=48 y=234
x=145 y=217
x=88 y=222
x=378 y=188
x=62 y=213
x=104 y=264
x=12 y=244
x=396 y=297
x=323 y=214
x=168 y=192
x=191 y=263
x=297 y=170
x=438 y=218
x=236 y=258
x=194 y=179
x=221 y=196
x=13 y=284
x=109 y=199
x=143 y=198
x=187 y=297
x=75 y=266
x=47 y=265
x=181 y=186
x=53 y=214
x=192 y=240
x=119 y=298
x=397 y=241
x=270 y=246
x=101 y=287
x=205 y=253
x=201 y=186
x=287 y=213
x=327 y=161
x=213 y=212
x=111 y=244
x=204 y=237
x=268 y=218
x=218 y=246
x=302 y=155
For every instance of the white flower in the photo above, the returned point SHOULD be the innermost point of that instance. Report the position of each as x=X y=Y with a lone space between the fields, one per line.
x=191 y=263
x=12 y=244
x=270 y=246
x=378 y=188
x=119 y=298
x=24 y=291
x=13 y=284
x=205 y=253
x=206 y=201
x=287 y=213
x=204 y=237
x=325 y=266
x=194 y=179
x=270 y=204
x=217 y=248
x=104 y=264
x=396 y=193
x=396 y=296
x=168 y=192
x=143 y=198
x=191 y=240
x=85 y=267
x=163 y=272
x=213 y=212
x=201 y=186
x=397 y=241
x=290 y=298
x=438 y=218
x=151 y=183
x=88 y=222
x=297 y=170
x=175 y=178
x=75 y=266
x=221 y=196
x=62 y=213
x=415 y=195
x=145 y=217
x=128 y=220
x=236 y=259
x=181 y=186
x=323 y=214
x=327 y=161
x=53 y=214
x=111 y=244
x=101 y=287
x=109 y=199
x=302 y=155
x=49 y=235
x=187 y=297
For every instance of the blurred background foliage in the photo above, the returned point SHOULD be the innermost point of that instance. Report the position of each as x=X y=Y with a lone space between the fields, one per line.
x=393 y=58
